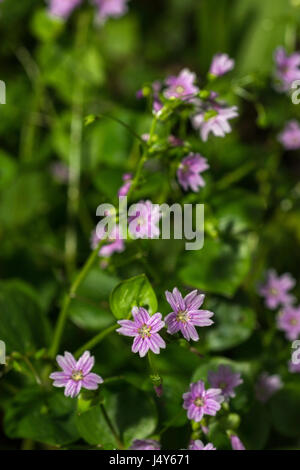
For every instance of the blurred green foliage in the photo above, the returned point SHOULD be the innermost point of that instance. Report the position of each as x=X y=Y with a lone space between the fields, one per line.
x=56 y=74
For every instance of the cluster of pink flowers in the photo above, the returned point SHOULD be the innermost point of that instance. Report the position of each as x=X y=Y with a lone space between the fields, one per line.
x=211 y=116
x=276 y=294
x=105 y=8
x=185 y=316
x=115 y=244
x=287 y=71
x=287 y=68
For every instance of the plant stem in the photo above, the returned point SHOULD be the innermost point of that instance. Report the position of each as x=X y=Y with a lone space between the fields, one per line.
x=111 y=427
x=32 y=369
x=67 y=300
x=95 y=340
x=75 y=151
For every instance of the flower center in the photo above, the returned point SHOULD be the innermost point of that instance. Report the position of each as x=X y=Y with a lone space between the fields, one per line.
x=182 y=316
x=273 y=291
x=145 y=331
x=293 y=321
x=222 y=385
x=179 y=89
x=185 y=168
x=77 y=375
x=199 y=402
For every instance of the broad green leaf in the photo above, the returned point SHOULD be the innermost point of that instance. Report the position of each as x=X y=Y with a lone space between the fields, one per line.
x=234 y=324
x=285 y=410
x=24 y=199
x=220 y=267
x=93 y=428
x=47 y=417
x=90 y=309
x=255 y=427
x=131 y=412
x=46 y=27
x=22 y=325
x=8 y=169
x=134 y=292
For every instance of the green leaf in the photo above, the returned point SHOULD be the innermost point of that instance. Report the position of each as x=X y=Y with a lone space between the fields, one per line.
x=93 y=428
x=220 y=267
x=46 y=27
x=234 y=324
x=47 y=417
x=255 y=427
x=90 y=308
x=134 y=292
x=285 y=410
x=23 y=327
x=238 y=207
x=8 y=169
x=136 y=420
x=24 y=199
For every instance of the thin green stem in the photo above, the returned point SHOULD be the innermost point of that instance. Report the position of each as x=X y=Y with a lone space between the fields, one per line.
x=111 y=426
x=67 y=300
x=108 y=116
x=32 y=369
x=75 y=151
x=95 y=340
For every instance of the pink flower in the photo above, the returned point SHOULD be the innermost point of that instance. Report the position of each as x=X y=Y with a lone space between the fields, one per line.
x=175 y=141
x=62 y=8
x=221 y=64
x=189 y=171
x=294 y=368
x=226 y=380
x=275 y=290
x=145 y=330
x=217 y=123
x=289 y=322
x=290 y=136
x=198 y=445
x=181 y=86
x=287 y=68
x=186 y=314
x=75 y=375
x=266 y=386
x=236 y=443
x=123 y=191
x=143 y=220
x=111 y=8
x=199 y=402
x=145 y=444
x=115 y=244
